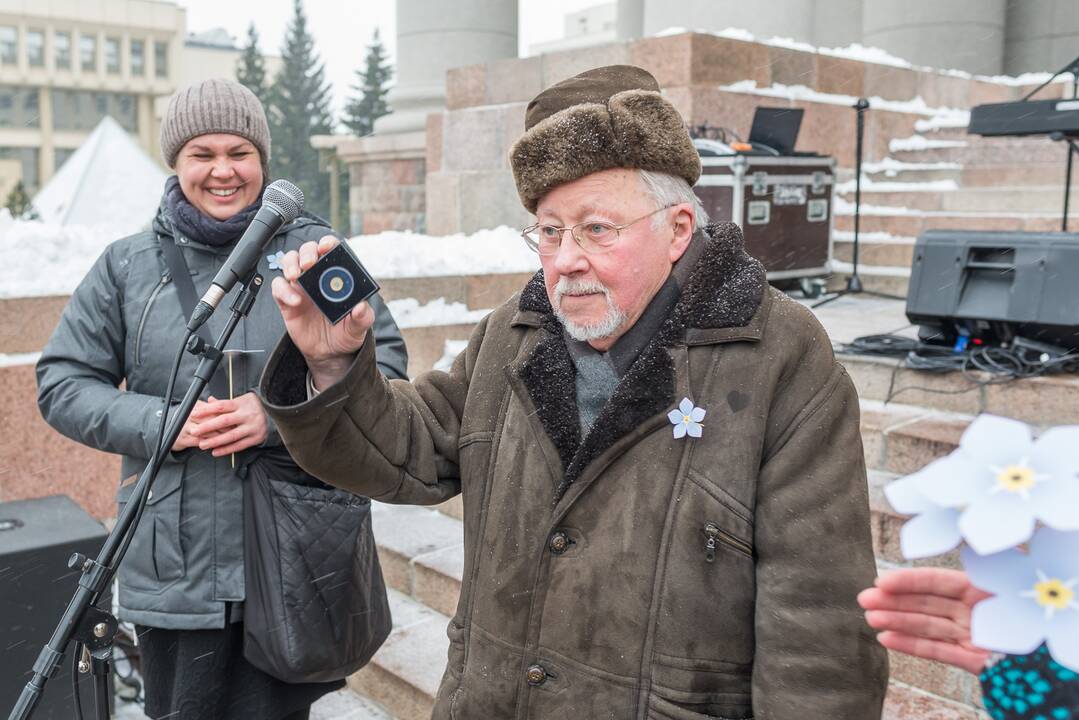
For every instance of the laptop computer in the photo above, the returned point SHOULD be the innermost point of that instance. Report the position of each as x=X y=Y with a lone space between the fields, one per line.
x=776 y=128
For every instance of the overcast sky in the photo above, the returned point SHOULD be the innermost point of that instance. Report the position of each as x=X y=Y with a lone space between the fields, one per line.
x=342 y=30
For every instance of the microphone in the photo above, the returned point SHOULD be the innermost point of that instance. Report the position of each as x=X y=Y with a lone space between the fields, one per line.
x=282 y=202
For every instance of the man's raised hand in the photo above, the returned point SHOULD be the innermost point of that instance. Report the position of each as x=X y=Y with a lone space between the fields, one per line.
x=328 y=348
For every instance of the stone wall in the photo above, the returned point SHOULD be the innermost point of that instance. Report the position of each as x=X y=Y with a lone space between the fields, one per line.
x=469 y=184
x=386 y=181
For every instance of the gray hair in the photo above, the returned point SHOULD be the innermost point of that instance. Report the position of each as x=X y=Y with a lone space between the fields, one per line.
x=667 y=190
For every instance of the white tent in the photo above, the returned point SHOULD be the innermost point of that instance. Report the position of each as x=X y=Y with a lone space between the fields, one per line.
x=108 y=182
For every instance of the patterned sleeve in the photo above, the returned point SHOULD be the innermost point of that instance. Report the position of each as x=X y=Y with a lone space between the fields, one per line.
x=1031 y=687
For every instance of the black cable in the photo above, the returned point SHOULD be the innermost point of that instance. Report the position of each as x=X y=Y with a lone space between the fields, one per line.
x=997 y=364
x=76 y=651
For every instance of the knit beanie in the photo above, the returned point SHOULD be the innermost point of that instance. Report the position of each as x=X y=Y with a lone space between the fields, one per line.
x=608 y=117
x=215 y=106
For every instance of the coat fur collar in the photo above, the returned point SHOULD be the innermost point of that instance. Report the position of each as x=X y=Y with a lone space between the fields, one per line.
x=724 y=290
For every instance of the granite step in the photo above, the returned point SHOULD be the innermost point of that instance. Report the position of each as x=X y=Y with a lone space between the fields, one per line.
x=912 y=223
x=904 y=702
x=1042 y=199
x=973 y=176
x=874 y=249
x=885 y=279
x=404 y=675
x=903 y=438
x=1042 y=401
x=422 y=553
x=975 y=150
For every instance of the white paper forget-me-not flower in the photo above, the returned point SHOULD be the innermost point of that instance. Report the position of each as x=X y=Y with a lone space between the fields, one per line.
x=275 y=259
x=993 y=490
x=686 y=419
x=1035 y=597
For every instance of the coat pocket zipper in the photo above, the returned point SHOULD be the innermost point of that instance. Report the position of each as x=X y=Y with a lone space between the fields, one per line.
x=713 y=534
x=165 y=279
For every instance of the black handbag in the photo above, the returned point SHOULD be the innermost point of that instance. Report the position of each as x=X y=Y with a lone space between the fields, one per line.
x=316 y=608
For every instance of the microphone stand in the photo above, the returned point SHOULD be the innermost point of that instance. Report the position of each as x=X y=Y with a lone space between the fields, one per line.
x=854 y=282
x=1073 y=68
x=82 y=621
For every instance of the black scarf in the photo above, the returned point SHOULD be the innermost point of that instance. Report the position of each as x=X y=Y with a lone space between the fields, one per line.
x=194 y=225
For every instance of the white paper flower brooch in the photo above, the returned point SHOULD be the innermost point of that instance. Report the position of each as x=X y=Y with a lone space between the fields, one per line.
x=275 y=259
x=686 y=419
x=1014 y=500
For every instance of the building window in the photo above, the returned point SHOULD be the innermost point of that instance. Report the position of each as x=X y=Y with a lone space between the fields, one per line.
x=88 y=53
x=60 y=156
x=35 y=48
x=161 y=59
x=19 y=107
x=112 y=56
x=138 y=57
x=62 y=48
x=28 y=159
x=9 y=45
x=83 y=109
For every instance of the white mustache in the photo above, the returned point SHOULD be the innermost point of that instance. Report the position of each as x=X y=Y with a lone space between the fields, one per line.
x=566 y=286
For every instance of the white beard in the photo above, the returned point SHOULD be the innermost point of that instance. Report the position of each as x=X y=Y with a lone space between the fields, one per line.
x=604 y=327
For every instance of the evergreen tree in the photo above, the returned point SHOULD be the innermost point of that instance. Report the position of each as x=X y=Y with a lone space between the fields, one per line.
x=300 y=107
x=18 y=201
x=369 y=104
x=251 y=68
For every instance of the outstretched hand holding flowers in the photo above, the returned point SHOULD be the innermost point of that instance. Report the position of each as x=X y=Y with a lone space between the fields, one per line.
x=1015 y=502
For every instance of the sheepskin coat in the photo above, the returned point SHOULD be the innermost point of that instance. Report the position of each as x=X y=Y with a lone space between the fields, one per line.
x=630 y=573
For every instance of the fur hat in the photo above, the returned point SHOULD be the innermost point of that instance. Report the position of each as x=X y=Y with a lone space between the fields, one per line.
x=609 y=117
x=215 y=106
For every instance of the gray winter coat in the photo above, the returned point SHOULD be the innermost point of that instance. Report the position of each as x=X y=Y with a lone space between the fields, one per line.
x=123 y=325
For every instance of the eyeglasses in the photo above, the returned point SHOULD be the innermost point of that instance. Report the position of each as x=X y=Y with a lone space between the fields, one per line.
x=593 y=236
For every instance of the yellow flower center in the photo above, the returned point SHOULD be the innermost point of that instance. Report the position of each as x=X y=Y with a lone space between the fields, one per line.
x=685 y=418
x=1016 y=478
x=1053 y=593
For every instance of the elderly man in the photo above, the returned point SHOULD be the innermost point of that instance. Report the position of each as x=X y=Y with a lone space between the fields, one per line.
x=664 y=490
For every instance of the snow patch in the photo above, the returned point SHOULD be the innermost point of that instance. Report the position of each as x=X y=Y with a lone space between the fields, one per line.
x=946 y=118
x=450 y=351
x=839 y=266
x=486 y=252
x=915 y=106
x=870 y=185
x=873 y=55
x=876 y=237
x=920 y=142
x=43 y=259
x=12 y=359
x=49 y=259
x=891 y=167
x=409 y=313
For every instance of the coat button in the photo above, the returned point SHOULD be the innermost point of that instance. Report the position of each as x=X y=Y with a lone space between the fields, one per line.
x=536 y=675
x=559 y=542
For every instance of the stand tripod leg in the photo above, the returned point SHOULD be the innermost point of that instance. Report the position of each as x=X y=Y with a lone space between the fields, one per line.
x=99 y=669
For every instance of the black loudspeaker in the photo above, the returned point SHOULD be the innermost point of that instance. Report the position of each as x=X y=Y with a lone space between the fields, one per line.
x=36 y=539
x=990 y=287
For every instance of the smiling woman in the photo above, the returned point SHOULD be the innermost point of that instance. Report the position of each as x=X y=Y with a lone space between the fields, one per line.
x=220 y=174
x=183 y=583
